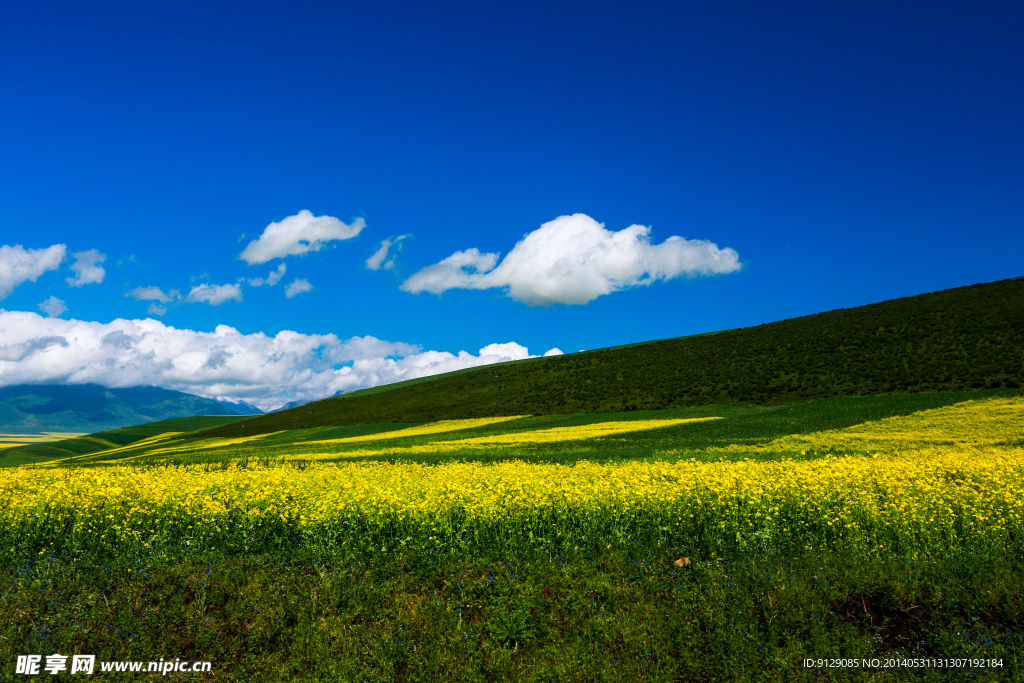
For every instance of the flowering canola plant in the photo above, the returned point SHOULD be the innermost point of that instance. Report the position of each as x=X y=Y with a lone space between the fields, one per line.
x=589 y=431
x=505 y=440
x=930 y=501
x=442 y=427
x=986 y=422
x=941 y=480
x=7 y=440
x=430 y=438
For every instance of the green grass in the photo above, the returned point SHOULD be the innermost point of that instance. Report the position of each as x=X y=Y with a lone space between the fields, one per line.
x=632 y=614
x=743 y=425
x=391 y=607
x=954 y=340
x=102 y=441
x=387 y=608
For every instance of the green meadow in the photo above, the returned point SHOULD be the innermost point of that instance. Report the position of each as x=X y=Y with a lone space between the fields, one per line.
x=836 y=497
x=193 y=440
x=683 y=605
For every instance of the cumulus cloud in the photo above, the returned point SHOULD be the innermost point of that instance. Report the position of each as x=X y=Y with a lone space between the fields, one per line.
x=18 y=264
x=377 y=261
x=574 y=260
x=297 y=286
x=157 y=296
x=462 y=270
x=224 y=364
x=297 y=235
x=214 y=294
x=53 y=307
x=14 y=353
x=153 y=294
x=87 y=268
x=554 y=352
x=270 y=280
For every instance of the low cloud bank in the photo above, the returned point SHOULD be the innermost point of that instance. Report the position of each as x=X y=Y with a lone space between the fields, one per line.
x=224 y=364
x=573 y=260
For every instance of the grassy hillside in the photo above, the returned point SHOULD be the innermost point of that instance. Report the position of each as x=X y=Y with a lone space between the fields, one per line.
x=103 y=441
x=953 y=340
x=665 y=435
x=10 y=440
x=874 y=529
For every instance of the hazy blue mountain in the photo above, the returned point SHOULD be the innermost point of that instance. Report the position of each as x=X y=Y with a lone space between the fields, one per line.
x=295 y=404
x=240 y=407
x=289 y=405
x=34 y=408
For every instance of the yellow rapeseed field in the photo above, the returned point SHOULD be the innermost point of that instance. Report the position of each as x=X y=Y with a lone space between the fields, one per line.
x=506 y=440
x=955 y=480
x=442 y=427
x=987 y=422
x=7 y=440
x=575 y=433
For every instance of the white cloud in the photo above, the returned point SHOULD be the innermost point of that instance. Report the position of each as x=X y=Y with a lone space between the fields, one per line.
x=156 y=309
x=271 y=280
x=463 y=270
x=297 y=286
x=14 y=353
x=87 y=268
x=298 y=234
x=263 y=370
x=214 y=294
x=53 y=307
x=574 y=260
x=18 y=264
x=554 y=352
x=153 y=294
x=376 y=262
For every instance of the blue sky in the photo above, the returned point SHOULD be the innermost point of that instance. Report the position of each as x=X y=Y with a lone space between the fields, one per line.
x=847 y=153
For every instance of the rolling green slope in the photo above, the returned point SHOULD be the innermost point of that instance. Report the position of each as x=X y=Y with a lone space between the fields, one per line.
x=696 y=432
x=102 y=441
x=953 y=340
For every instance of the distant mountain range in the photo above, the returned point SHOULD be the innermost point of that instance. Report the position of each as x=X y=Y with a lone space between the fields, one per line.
x=240 y=407
x=289 y=405
x=295 y=404
x=36 y=408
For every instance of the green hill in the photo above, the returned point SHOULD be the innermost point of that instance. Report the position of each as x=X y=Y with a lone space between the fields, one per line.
x=103 y=441
x=952 y=340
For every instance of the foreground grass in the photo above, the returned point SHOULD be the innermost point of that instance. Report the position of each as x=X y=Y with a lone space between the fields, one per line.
x=632 y=614
x=900 y=537
x=740 y=589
